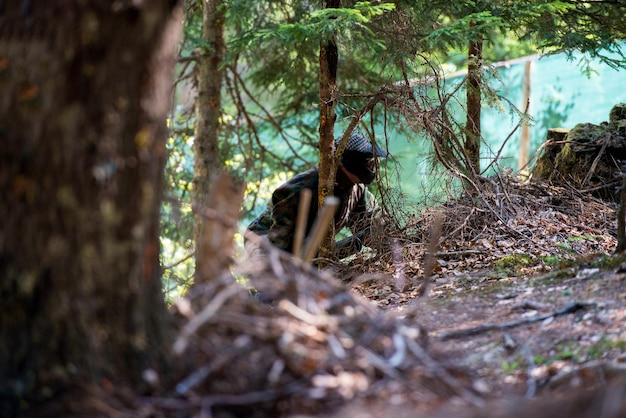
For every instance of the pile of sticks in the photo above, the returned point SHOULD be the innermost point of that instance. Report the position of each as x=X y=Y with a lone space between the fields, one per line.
x=314 y=346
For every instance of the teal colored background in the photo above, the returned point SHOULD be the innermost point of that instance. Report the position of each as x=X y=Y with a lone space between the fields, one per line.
x=561 y=96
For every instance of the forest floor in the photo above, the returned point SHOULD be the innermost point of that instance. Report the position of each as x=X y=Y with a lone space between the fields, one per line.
x=488 y=305
x=525 y=300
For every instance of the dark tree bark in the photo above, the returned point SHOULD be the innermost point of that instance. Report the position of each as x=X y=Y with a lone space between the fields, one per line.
x=621 y=220
x=472 y=127
x=85 y=88
x=206 y=146
x=329 y=57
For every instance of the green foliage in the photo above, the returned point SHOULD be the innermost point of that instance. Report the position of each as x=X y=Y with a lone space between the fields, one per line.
x=601 y=348
x=512 y=366
x=593 y=28
x=176 y=214
x=459 y=32
x=321 y=26
x=283 y=50
x=270 y=96
x=607 y=262
x=552 y=260
x=568 y=351
x=192 y=30
x=514 y=264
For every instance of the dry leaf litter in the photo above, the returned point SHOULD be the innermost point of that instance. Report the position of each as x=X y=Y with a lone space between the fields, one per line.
x=374 y=329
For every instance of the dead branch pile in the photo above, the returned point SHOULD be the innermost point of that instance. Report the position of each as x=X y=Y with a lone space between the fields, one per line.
x=316 y=345
x=541 y=216
x=506 y=209
x=504 y=216
x=536 y=217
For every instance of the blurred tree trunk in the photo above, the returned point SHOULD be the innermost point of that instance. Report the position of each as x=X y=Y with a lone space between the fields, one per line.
x=82 y=126
x=621 y=220
x=472 y=127
x=206 y=146
x=329 y=58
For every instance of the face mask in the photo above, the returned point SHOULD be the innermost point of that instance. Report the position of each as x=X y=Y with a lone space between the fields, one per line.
x=359 y=164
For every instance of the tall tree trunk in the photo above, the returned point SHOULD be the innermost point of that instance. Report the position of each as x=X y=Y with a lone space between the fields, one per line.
x=524 y=148
x=329 y=58
x=82 y=126
x=208 y=113
x=472 y=127
x=621 y=220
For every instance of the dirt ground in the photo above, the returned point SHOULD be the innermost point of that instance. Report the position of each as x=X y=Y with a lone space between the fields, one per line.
x=526 y=301
x=482 y=325
x=507 y=302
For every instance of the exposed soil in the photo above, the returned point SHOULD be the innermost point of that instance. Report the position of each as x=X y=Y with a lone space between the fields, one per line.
x=476 y=323
x=526 y=299
x=478 y=306
x=507 y=294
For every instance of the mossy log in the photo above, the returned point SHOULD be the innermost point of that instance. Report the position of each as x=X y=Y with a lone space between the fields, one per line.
x=588 y=157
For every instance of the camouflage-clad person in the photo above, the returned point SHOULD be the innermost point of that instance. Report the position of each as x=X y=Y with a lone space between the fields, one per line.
x=357 y=206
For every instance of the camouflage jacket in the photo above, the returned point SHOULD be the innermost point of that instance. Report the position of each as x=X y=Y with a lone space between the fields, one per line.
x=357 y=209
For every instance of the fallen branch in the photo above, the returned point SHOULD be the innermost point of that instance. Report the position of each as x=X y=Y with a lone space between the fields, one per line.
x=468 y=332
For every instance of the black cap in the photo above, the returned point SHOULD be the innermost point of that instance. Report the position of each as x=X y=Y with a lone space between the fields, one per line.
x=358 y=157
x=358 y=143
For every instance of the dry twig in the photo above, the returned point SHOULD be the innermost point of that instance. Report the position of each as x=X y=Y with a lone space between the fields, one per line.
x=482 y=328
